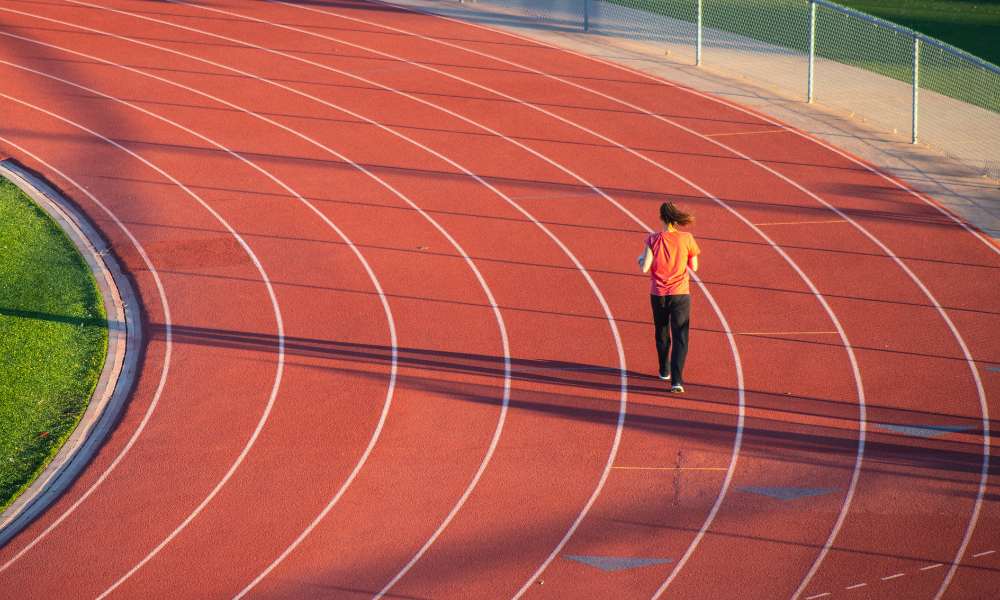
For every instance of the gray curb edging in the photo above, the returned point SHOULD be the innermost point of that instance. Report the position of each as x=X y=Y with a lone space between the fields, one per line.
x=120 y=364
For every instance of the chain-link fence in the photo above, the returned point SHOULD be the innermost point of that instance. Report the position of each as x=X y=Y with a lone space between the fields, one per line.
x=885 y=74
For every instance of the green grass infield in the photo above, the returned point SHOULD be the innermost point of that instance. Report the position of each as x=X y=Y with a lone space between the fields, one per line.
x=53 y=339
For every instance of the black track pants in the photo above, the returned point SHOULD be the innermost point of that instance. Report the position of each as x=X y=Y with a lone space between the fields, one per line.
x=671 y=315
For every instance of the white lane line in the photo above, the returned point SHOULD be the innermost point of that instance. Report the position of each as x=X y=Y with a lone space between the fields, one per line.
x=991 y=244
x=823 y=595
x=847 y=501
x=893 y=576
x=267 y=283
x=253 y=257
x=855 y=586
x=621 y=355
x=801 y=273
x=168 y=348
x=983 y=553
x=506 y=398
x=371 y=274
x=862 y=407
x=929 y=567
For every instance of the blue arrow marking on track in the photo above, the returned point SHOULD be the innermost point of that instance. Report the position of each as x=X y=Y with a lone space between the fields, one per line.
x=787 y=493
x=614 y=563
x=922 y=430
x=992 y=368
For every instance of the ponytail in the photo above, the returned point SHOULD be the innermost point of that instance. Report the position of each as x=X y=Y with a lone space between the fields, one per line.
x=671 y=215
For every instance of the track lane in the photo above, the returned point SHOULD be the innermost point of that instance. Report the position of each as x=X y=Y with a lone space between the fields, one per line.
x=39 y=523
x=181 y=314
x=969 y=529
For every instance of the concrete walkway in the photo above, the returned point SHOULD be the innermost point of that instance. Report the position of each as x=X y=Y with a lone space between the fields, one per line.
x=961 y=189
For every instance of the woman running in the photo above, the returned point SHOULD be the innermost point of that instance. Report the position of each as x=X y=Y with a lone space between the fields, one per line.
x=669 y=254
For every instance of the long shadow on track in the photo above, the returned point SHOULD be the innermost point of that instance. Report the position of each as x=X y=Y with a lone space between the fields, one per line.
x=571 y=375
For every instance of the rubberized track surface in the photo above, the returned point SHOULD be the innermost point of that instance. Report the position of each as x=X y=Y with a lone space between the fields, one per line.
x=399 y=346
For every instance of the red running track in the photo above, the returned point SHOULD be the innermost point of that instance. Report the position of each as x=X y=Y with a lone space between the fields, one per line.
x=399 y=347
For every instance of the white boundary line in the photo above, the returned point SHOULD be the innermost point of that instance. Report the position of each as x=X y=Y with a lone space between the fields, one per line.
x=580 y=267
x=168 y=346
x=586 y=509
x=382 y=419
x=274 y=303
x=851 y=491
x=862 y=409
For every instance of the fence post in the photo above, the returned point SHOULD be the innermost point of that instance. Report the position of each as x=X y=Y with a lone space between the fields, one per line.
x=586 y=15
x=697 y=38
x=916 y=85
x=812 y=50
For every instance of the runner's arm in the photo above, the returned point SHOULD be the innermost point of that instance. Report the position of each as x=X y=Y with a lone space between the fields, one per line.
x=646 y=260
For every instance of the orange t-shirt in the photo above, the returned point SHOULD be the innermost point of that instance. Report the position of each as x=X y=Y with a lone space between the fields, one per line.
x=671 y=251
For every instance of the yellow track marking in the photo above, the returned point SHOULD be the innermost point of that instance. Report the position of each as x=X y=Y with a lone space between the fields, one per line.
x=787 y=333
x=745 y=132
x=803 y=222
x=674 y=468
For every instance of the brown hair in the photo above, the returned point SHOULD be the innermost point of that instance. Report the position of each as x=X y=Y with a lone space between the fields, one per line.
x=670 y=214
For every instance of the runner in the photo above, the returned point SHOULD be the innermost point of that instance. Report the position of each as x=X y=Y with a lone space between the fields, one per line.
x=669 y=254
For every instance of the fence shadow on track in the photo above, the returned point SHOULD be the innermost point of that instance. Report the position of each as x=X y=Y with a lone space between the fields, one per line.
x=958 y=360
x=422 y=369
x=908 y=212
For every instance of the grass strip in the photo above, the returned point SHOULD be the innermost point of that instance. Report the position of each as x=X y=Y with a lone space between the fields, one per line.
x=53 y=339
x=970 y=26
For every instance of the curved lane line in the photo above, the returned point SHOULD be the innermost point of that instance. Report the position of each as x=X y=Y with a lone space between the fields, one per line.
x=847 y=346
x=503 y=331
x=863 y=423
x=982 y=394
x=266 y=281
x=862 y=419
x=600 y=297
x=168 y=326
x=992 y=244
x=371 y=274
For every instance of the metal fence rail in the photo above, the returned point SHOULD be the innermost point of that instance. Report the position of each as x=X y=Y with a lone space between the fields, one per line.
x=822 y=52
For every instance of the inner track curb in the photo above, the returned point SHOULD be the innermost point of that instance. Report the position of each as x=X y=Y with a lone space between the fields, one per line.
x=120 y=364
